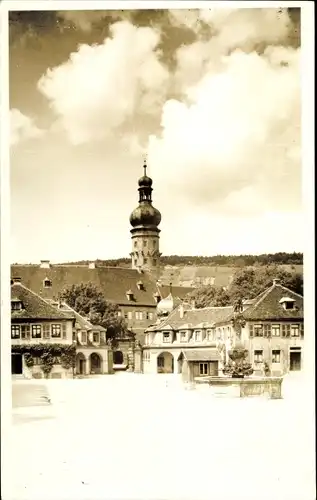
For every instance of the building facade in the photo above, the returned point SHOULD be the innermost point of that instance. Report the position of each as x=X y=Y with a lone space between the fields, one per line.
x=94 y=356
x=41 y=336
x=184 y=333
x=274 y=330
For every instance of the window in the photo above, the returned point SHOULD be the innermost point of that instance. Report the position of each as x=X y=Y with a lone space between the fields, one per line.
x=46 y=331
x=36 y=331
x=295 y=331
x=166 y=337
x=276 y=356
x=47 y=283
x=258 y=330
x=145 y=261
x=95 y=337
x=258 y=356
x=149 y=315
x=154 y=243
x=129 y=314
x=154 y=262
x=275 y=330
x=135 y=262
x=15 y=331
x=203 y=368
x=289 y=305
x=126 y=315
x=84 y=337
x=56 y=331
x=16 y=305
x=139 y=315
x=145 y=243
x=183 y=336
x=135 y=243
x=25 y=332
x=119 y=314
x=197 y=336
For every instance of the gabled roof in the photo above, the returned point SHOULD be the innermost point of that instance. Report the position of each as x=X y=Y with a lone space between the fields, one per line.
x=267 y=305
x=201 y=354
x=114 y=282
x=81 y=323
x=194 y=317
x=35 y=307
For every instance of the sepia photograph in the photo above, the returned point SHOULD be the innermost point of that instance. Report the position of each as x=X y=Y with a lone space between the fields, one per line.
x=156 y=238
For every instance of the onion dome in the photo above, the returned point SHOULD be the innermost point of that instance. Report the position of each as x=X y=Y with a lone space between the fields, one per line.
x=145 y=181
x=145 y=215
x=166 y=306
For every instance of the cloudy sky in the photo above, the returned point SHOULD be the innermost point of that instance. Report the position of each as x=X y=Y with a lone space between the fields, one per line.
x=211 y=96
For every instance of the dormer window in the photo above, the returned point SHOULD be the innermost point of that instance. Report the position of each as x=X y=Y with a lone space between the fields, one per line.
x=197 y=336
x=129 y=295
x=166 y=337
x=183 y=336
x=47 y=283
x=16 y=305
x=287 y=303
x=140 y=285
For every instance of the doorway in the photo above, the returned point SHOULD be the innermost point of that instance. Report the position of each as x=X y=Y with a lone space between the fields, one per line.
x=295 y=361
x=16 y=364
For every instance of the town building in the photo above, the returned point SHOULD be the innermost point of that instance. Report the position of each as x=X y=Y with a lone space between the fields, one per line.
x=136 y=289
x=274 y=330
x=185 y=333
x=37 y=329
x=273 y=334
x=94 y=355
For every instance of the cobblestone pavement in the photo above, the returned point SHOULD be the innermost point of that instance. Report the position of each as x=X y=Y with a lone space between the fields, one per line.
x=146 y=437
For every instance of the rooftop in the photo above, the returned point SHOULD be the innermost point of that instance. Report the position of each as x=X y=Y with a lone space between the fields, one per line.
x=34 y=306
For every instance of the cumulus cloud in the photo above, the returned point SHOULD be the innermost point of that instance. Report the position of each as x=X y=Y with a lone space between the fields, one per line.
x=101 y=87
x=232 y=138
x=22 y=127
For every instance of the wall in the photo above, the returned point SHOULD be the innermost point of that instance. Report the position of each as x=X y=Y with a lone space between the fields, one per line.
x=42 y=340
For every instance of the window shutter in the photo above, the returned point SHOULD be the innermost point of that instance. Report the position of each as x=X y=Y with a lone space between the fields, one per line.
x=46 y=331
x=284 y=331
x=302 y=330
x=64 y=331
x=288 y=330
x=251 y=331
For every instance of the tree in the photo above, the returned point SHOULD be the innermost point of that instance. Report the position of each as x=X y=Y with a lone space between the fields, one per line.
x=88 y=300
x=208 y=296
x=250 y=282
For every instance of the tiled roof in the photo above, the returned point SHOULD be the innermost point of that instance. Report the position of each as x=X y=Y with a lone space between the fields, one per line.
x=34 y=306
x=113 y=281
x=195 y=317
x=267 y=305
x=81 y=322
x=177 y=291
x=201 y=354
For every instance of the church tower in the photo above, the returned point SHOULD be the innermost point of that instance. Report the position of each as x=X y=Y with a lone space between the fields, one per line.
x=145 y=233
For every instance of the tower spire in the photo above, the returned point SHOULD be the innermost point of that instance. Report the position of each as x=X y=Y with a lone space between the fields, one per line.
x=145 y=164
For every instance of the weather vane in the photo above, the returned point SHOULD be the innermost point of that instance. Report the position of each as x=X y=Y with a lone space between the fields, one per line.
x=145 y=163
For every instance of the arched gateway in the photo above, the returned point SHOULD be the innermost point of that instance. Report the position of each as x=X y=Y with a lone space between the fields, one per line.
x=165 y=363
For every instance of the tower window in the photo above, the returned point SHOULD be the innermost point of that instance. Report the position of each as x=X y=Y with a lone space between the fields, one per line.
x=145 y=261
x=145 y=243
x=154 y=262
x=135 y=243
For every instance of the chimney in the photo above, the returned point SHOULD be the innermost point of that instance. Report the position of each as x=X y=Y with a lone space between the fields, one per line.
x=276 y=281
x=45 y=264
x=16 y=279
x=91 y=265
